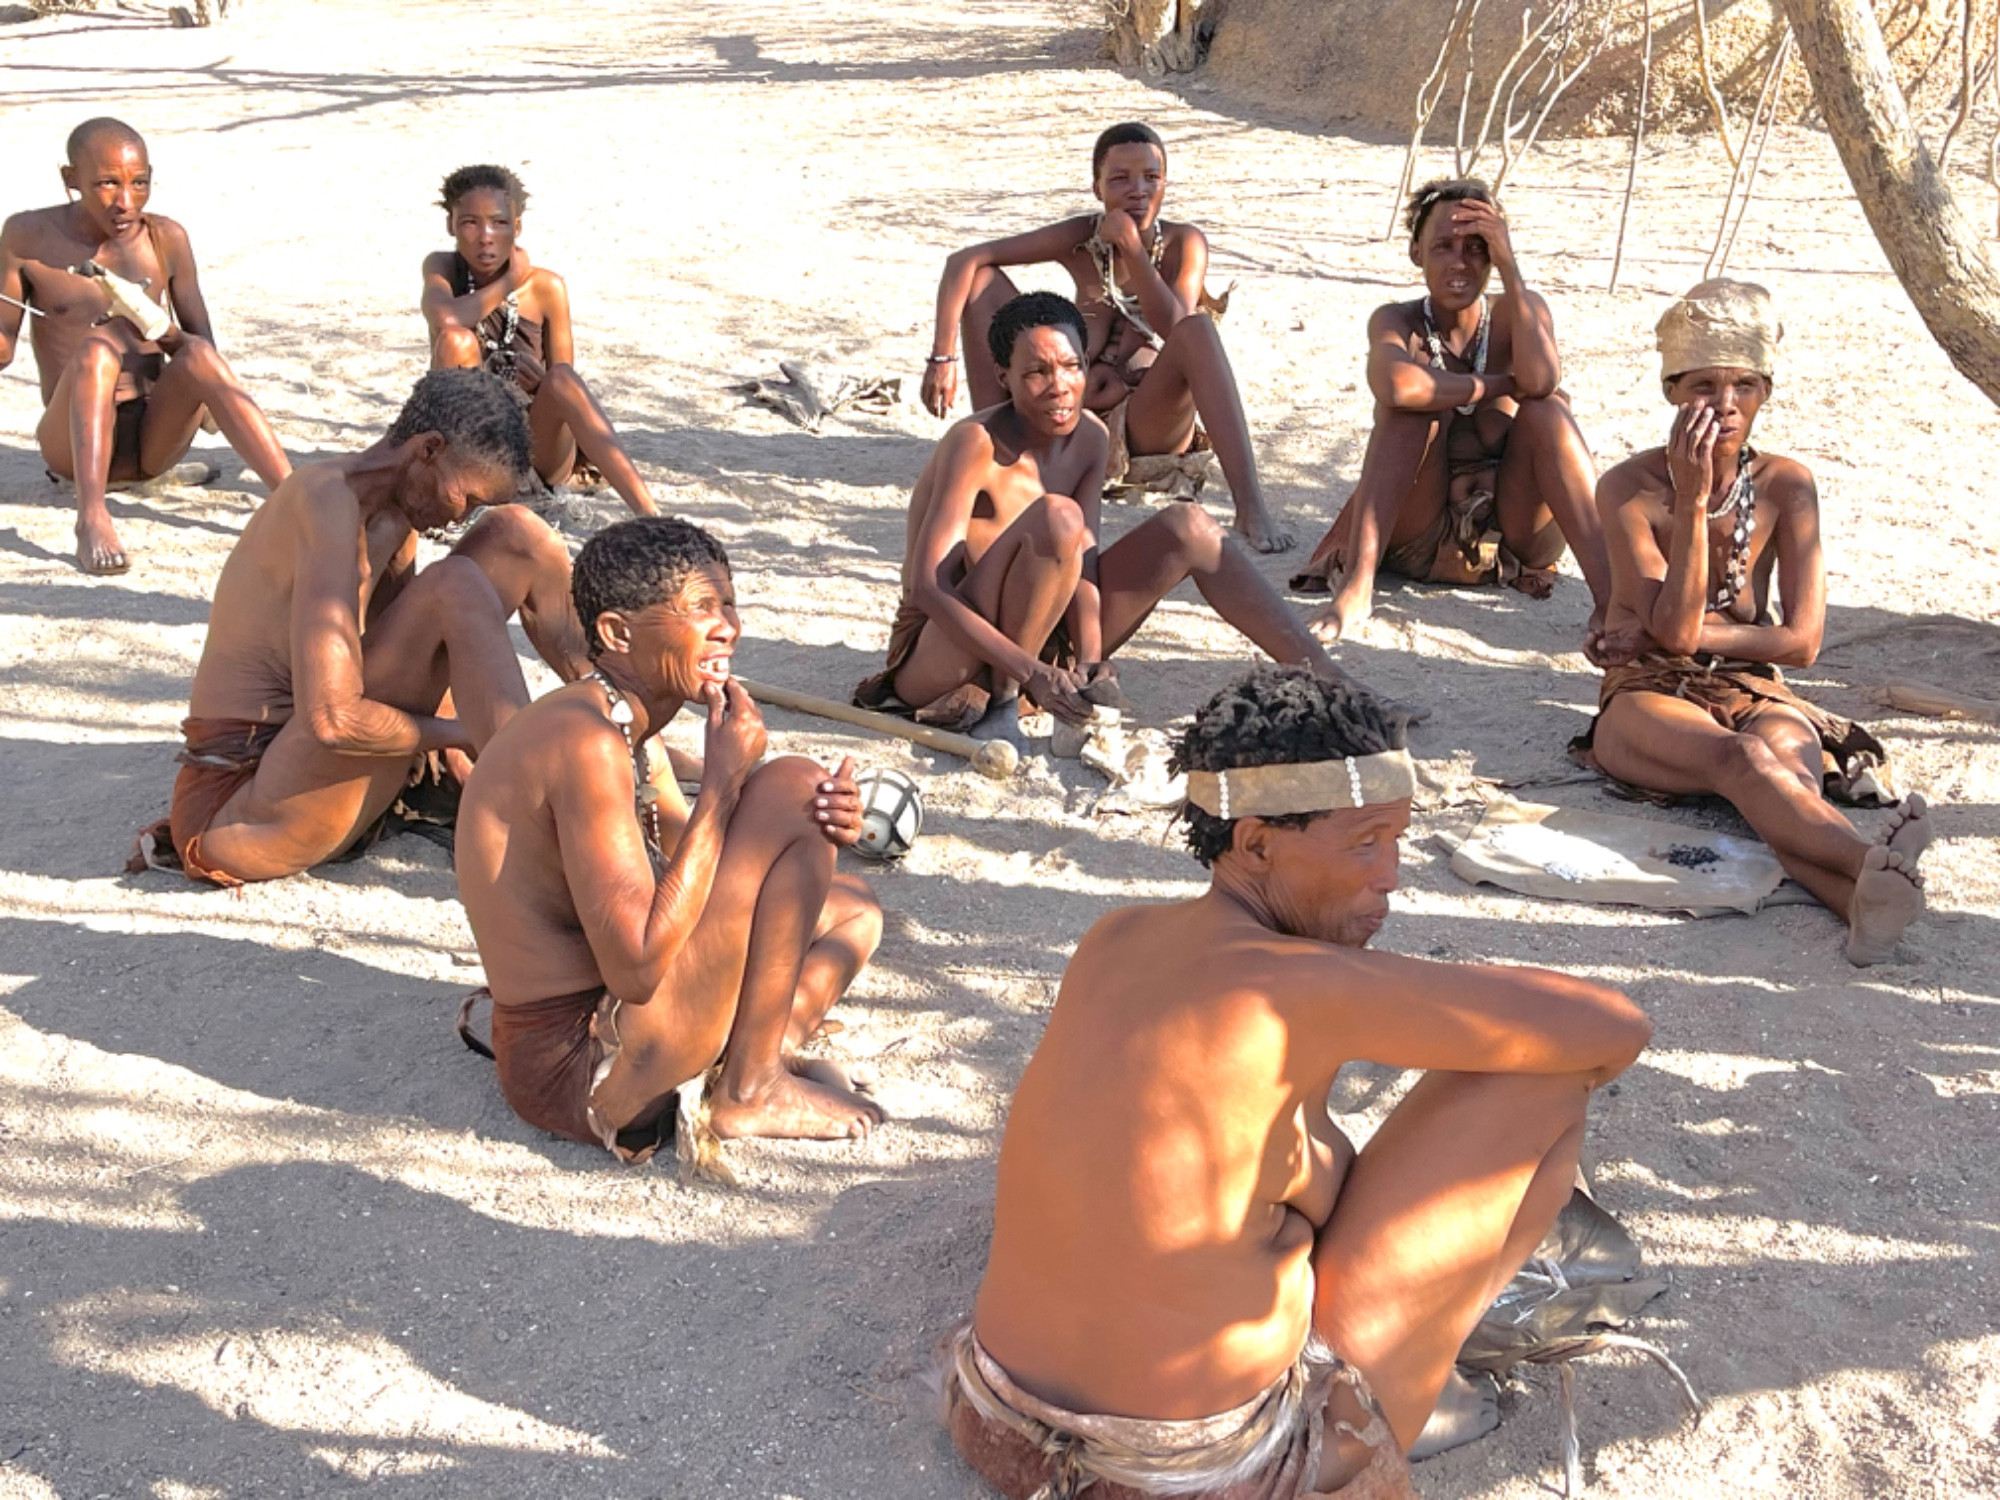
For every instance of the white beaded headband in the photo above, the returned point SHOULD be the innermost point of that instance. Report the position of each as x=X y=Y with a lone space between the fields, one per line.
x=1315 y=786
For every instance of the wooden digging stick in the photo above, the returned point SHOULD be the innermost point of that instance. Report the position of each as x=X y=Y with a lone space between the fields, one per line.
x=994 y=758
x=1936 y=703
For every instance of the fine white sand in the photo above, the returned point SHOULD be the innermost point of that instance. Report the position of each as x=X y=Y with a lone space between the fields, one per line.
x=271 y=1231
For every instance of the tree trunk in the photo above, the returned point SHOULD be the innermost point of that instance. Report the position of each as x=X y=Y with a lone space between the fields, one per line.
x=1937 y=253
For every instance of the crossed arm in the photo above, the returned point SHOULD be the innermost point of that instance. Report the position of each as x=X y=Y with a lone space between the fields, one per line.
x=964 y=466
x=442 y=309
x=327 y=668
x=635 y=925
x=1670 y=592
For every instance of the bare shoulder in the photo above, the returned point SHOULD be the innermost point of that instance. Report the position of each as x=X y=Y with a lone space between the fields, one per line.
x=21 y=232
x=1182 y=238
x=1642 y=473
x=1091 y=435
x=972 y=437
x=548 y=282
x=1393 y=320
x=1787 y=481
x=438 y=263
x=322 y=492
x=171 y=230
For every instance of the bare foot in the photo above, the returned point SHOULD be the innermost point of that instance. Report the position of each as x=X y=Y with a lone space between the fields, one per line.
x=788 y=1107
x=1261 y=532
x=1910 y=829
x=1467 y=1409
x=1350 y=607
x=98 y=550
x=1002 y=721
x=859 y=1079
x=1888 y=897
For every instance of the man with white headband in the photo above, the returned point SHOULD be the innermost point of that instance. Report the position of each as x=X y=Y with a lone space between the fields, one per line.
x=1182 y=1237
x=1694 y=700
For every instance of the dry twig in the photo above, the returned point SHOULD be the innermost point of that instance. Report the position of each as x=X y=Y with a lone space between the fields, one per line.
x=1965 y=85
x=1638 y=136
x=1428 y=95
x=1708 y=83
x=1767 y=112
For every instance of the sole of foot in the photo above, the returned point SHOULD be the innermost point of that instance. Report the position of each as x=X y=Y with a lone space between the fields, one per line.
x=1468 y=1408
x=791 y=1108
x=1910 y=828
x=1888 y=897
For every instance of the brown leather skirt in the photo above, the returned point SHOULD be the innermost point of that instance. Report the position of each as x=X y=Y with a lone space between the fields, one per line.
x=551 y=1056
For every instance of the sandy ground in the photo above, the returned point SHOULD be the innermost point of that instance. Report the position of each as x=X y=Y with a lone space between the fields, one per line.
x=269 y=1231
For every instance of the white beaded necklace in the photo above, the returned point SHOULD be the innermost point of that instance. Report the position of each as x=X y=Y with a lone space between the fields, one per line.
x=645 y=796
x=1437 y=347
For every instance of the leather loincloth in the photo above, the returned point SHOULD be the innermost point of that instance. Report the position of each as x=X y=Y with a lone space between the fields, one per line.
x=551 y=1056
x=963 y=706
x=218 y=758
x=1462 y=543
x=1266 y=1449
x=1855 y=768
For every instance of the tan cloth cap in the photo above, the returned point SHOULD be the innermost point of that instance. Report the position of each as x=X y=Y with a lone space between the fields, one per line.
x=1316 y=786
x=1720 y=324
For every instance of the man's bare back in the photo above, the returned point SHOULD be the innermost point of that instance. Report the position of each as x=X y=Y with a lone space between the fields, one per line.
x=1177 y=1215
x=1189 y=1176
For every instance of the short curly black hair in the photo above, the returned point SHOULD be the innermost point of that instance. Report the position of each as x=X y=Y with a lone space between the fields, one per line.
x=1131 y=133
x=484 y=175
x=635 y=565
x=1277 y=716
x=474 y=412
x=1425 y=200
x=1032 y=310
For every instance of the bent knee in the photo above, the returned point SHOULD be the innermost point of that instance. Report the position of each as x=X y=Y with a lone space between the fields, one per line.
x=1198 y=328
x=1543 y=415
x=1057 y=522
x=1745 y=757
x=781 y=793
x=518 y=531
x=459 y=586
x=201 y=358
x=456 y=347
x=563 y=382
x=1190 y=524
x=98 y=355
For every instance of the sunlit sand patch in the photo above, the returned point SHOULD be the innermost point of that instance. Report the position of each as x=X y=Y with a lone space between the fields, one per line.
x=1635 y=1174
x=1722 y=1071
x=1718 y=1239
x=1848 y=1430
x=299 y=1380
x=174 y=1489
x=17 y=1484
x=75 y=1146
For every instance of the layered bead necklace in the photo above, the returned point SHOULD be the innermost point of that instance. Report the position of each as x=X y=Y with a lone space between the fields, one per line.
x=645 y=796
x=1437 y=347
x=1742 y=497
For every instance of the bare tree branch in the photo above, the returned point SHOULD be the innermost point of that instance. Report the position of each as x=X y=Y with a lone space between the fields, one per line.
x=1638 y=134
